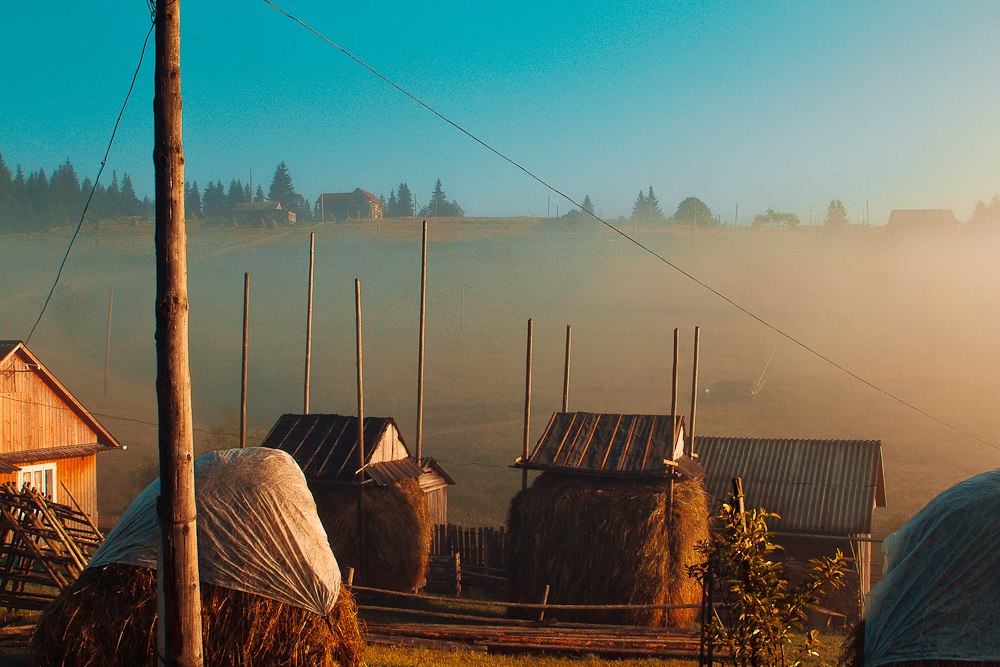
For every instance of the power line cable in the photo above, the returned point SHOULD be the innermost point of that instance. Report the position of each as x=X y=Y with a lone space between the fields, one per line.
x=650 y=251
x=97 y=180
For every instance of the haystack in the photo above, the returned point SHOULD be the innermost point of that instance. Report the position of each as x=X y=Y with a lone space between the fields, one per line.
x=108 y=618
x=607 y=541
x=397 y=532
x=271 y=586
x=935 y=606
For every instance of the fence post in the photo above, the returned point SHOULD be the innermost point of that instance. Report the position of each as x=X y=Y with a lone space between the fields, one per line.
x=545 y=600
x=458 y=575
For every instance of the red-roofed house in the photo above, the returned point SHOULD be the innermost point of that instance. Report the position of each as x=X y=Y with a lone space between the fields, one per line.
x=357 y=205
x=47 y=438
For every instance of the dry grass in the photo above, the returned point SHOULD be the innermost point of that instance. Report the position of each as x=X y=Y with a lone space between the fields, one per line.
x=107 y=618
x=607 y=542
x=397 y=537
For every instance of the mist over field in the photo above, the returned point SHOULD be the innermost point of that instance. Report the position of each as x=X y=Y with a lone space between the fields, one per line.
x=915 y=316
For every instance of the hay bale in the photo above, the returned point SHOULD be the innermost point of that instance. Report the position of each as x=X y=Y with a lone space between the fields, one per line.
x=108 y=618
x=397 y=536
x=598 y=541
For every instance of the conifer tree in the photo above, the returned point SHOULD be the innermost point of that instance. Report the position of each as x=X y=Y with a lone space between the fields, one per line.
x=405 y=206
x=653 y=211
x=639 y=209
x=588 y=205
x=282 y=190
x=392 y=208
x=259 y=195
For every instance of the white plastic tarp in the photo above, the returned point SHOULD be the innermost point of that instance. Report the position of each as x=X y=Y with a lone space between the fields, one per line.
x=940 y=594
x=258 y=531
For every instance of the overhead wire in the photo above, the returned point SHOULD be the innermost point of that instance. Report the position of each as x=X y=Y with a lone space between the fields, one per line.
x=746 y=311
x=97 y=180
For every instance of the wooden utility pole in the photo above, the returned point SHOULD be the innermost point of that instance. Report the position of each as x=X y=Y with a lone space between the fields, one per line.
x=673 y=395
x=420 y=354
x=309 y=322
x=527 y=410
x=361 y=434
x=569 y=339
x=246 y=349
x=694 y=389
x=107 y=344
x=179 y=636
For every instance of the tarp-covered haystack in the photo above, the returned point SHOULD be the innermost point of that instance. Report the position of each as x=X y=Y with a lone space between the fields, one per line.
x=597 y=526
x=271 y=587
x=397 y=522
x=936 y=605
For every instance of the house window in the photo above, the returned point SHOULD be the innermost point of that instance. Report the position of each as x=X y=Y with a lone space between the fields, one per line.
x=41 y=478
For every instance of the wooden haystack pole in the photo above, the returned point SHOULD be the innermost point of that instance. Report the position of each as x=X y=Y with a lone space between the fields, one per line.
x=602 y=524
x=397 y=524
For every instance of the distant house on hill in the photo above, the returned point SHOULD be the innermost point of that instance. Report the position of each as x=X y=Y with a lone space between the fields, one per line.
x=921 y=221
x=824 y=491
x=357 y=205
x=47 y=438
x=262 y=214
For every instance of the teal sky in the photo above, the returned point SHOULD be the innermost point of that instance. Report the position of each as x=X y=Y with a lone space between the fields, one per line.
x=781 y=105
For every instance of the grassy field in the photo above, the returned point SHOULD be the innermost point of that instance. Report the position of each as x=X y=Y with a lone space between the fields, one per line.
x=915 y=317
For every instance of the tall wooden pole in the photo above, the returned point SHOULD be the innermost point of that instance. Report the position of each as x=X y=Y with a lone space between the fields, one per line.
x=361 y=433
x=673 y=394
x=527 y=409
x=179 y=638
x=420 y=354
x=569 y=339
x=309 y=322
x=694 y=389
x=107 y=343
x=246 y=348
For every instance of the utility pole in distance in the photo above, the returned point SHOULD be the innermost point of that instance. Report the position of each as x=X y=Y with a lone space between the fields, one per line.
x=179 y=632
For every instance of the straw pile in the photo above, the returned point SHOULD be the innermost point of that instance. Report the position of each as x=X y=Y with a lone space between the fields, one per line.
x=397 y=532
x=852 y=654
x=607 y=542
x=108 y=618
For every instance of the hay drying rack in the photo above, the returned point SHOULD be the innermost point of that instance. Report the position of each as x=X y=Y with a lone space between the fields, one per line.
x=44 y=546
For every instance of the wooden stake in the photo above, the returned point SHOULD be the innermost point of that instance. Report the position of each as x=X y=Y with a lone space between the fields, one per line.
x=569 y=339
x=694 y=389
x=527 y=409
x=420 y=354
x=361 y=435
x=107 y=343
x=179 y=636
x=246 y=347
x=309 y=323
x=673 y=395
x=545 y=601
x=738 y=493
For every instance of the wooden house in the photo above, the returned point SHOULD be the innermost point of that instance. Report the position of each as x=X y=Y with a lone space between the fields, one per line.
x=824 y=491
x=922 y=221
x=262 y=214
x=357 y=205
x=47 y=438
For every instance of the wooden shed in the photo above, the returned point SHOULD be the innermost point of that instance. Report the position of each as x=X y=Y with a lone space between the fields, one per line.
x=824 y=491
x=47 y=438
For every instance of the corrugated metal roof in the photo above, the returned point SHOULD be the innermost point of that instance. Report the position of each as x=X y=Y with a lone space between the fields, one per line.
x=816 y=486
x=390 y=472
x=28 y=456
x=326 y=446
x=7 y=347
x=431 y=465
x=605 y=444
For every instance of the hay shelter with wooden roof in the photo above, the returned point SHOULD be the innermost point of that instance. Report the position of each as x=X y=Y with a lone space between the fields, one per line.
x=401 y=495
x=823 y=491
x=621 y=490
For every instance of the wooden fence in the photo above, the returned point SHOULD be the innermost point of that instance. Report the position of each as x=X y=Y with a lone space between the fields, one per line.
x=481 y=546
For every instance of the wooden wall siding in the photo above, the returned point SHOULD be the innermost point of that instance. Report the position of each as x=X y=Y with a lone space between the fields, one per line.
x=80 y=476
x=389 y=448
x=32 y=415
x=437 y=506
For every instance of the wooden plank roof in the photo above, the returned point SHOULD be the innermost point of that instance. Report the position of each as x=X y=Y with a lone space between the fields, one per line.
x=326 y=446
x=10 y=348
x=613 y=445
x=816 y=486
x=9 y=461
